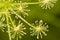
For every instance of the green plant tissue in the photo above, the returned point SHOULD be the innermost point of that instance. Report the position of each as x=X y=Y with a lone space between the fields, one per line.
x=29 y=19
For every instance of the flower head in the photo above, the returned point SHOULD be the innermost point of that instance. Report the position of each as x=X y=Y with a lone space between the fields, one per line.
x=47 y=4
x=18 y=31
x=39 y=29
x=22 y=8
x=2 y=26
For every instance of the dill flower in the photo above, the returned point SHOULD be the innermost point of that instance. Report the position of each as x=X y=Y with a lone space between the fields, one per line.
x=47 y=4
x=39 y=29
x=22 y=8
x=2 y=26
x=18 y=31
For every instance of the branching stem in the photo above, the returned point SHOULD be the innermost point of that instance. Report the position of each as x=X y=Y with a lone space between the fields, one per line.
x=11 y=21
x=23 y=19
x=8 y=27
x=31 y=3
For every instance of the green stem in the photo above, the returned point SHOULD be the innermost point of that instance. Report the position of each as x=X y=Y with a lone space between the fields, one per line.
x=23 y=19
x=11 y=21
x=27 y=3
x=17 y=38
x=32 y=3
x=8 y=27
x=9 y=33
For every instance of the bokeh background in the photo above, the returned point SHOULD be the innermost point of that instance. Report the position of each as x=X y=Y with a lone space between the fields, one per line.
x=51 y=17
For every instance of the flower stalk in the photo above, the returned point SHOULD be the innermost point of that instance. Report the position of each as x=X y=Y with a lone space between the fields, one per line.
x=8 y=27
x=23 y=19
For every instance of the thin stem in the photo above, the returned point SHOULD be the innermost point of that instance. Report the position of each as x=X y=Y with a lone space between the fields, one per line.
x=8 y=27
x=32 y=3
x=26 y=3
x=23 y=20
x=11 y=21
x=17 y=38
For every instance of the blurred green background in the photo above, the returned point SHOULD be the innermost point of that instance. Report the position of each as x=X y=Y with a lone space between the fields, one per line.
x=51 y=17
